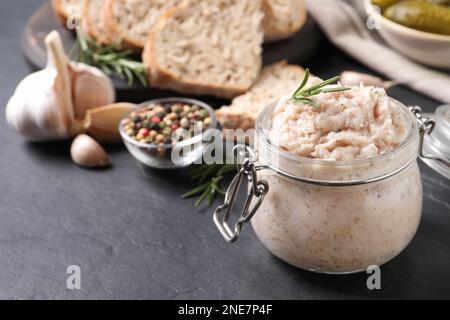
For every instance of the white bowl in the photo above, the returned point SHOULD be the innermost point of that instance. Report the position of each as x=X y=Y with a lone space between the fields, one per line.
x=427 y=48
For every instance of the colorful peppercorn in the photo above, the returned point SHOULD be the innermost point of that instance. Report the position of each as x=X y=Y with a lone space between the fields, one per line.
x=156 y=123
x=156 y=119
x=184 y=123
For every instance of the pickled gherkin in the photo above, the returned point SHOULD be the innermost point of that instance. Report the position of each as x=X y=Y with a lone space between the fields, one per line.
x=383 y=4
x=421 y=15
x=441 y=2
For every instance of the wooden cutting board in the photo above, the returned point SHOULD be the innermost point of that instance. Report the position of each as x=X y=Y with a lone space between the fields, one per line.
x=296 y=50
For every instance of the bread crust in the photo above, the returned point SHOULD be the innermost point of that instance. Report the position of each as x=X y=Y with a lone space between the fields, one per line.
x=232 y=118
x=235 y=120
x=272 y=33
x=59 y=11
x=92 y=30
x=162 y=78
x=87 y=23
x=113 y=28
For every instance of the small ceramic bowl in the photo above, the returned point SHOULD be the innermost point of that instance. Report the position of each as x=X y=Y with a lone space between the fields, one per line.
x=424 y=47
x=160 y=156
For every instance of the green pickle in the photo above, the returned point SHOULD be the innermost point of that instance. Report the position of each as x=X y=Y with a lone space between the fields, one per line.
x=421 y=15
x=383 y=4
x=441 y=2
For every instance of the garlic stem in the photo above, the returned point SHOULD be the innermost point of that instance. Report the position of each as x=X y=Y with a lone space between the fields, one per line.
x=58 y=59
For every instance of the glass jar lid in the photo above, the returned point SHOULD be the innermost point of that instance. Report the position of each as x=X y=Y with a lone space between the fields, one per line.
x=438 y=141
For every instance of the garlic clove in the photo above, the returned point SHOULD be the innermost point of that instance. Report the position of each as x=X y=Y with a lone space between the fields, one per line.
x=91 y=88
x=87 y=153
x=351 y=78
x=103 y=123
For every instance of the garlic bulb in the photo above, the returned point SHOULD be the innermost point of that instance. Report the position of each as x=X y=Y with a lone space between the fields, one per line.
x=50 y=104
x=351 y=78
x=86 y=152
x=44 y=121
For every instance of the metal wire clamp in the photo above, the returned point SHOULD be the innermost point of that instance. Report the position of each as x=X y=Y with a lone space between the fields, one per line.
x=257 y=190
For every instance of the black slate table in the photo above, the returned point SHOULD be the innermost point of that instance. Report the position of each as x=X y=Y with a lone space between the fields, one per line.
x=134 y=238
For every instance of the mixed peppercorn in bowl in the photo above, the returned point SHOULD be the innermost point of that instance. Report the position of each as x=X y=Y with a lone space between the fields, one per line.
x=155 y=128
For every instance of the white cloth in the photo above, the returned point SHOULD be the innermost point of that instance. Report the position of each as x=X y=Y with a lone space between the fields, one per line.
x=345 y=28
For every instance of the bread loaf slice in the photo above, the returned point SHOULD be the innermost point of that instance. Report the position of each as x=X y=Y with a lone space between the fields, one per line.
x=132 y=20
x=275 y=81
x=93 y=21
x=283 y=18
x=65 y=9
x=207 y=47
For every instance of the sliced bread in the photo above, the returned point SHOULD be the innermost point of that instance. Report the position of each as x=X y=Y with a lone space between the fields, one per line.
x=65 y=9
x=132 y=20
x=275 y=81
x=207 y=47
x=91 y=23
x=283 y=18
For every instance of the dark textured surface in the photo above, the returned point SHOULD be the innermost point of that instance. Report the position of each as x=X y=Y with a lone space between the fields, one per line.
x=133 y=237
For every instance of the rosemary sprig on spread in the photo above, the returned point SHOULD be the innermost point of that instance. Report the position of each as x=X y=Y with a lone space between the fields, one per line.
x=304 y=95
x=208 y=177
x=111 y=59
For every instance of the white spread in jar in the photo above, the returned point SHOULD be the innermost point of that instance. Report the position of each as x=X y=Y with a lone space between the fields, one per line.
x=358 y=134
x=359 y=123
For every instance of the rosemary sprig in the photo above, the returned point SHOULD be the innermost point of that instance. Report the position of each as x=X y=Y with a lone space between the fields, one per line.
x=304 y=95
x=208 y=177
x=111 y=59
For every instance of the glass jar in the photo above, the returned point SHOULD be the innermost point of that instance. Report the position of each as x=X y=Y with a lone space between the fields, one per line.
x=438 y=142
x=329 y=216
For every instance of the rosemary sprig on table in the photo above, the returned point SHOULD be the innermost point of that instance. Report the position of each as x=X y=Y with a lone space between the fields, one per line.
x=304 y=95
x=111 y=59
x=208 y=177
